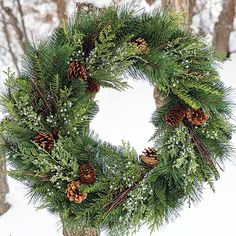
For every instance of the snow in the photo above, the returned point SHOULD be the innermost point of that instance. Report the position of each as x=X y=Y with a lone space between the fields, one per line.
x=22 y=219
x=126 y=116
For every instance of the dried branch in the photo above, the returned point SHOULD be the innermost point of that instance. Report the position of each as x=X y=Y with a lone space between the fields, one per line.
x=224 y=27
x=40 y=177
x=122 y=196
x=49 y=102
x=202 y=148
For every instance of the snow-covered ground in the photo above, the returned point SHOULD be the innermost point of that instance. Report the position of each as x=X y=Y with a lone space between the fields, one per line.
x=126 y=116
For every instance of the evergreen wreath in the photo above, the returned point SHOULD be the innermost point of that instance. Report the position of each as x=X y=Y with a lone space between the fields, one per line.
x=89 y=182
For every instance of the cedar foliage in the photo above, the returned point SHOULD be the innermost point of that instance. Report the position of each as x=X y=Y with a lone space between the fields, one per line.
x=183 y=68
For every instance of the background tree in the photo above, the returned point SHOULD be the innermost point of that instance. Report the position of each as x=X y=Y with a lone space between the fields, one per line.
x=184 y=6
x=4 y=206
x=224 y=27
x=218 y=29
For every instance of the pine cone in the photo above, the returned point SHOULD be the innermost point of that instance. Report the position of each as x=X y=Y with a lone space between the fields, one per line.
x=75 y=70
x=176 y=115
x=93 y=86
x=196 y=117
x=87 y=174
x=45 y=141
x=73 y=194
x=149 y=157
x=141 y=45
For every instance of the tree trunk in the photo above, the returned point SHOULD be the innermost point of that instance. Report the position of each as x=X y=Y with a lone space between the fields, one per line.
x=3 y=187
x=61 y=9
x=89 y=232
x=85 y=232
x=184 y=6
x=224 y=27
x=191 y=6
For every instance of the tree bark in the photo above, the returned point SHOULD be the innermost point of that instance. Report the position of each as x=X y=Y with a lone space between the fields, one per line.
x=8 y=37
x=87 y=232
x=13 y=21
x=3 y=188
x=184 y=6
x=224 y=27
x=61 y=9
x=81 y=232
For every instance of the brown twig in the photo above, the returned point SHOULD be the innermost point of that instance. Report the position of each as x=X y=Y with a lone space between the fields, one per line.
x=40 y=177
x=122 y=196
x=202 y=148
x=50 y=104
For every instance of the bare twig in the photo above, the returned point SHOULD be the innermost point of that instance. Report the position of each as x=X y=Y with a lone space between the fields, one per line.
x=40 y=177
x=49 y=104
x=202 y=148
x=122 y=196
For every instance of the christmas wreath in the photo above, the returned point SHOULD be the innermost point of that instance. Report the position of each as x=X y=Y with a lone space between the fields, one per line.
x=89 y=182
